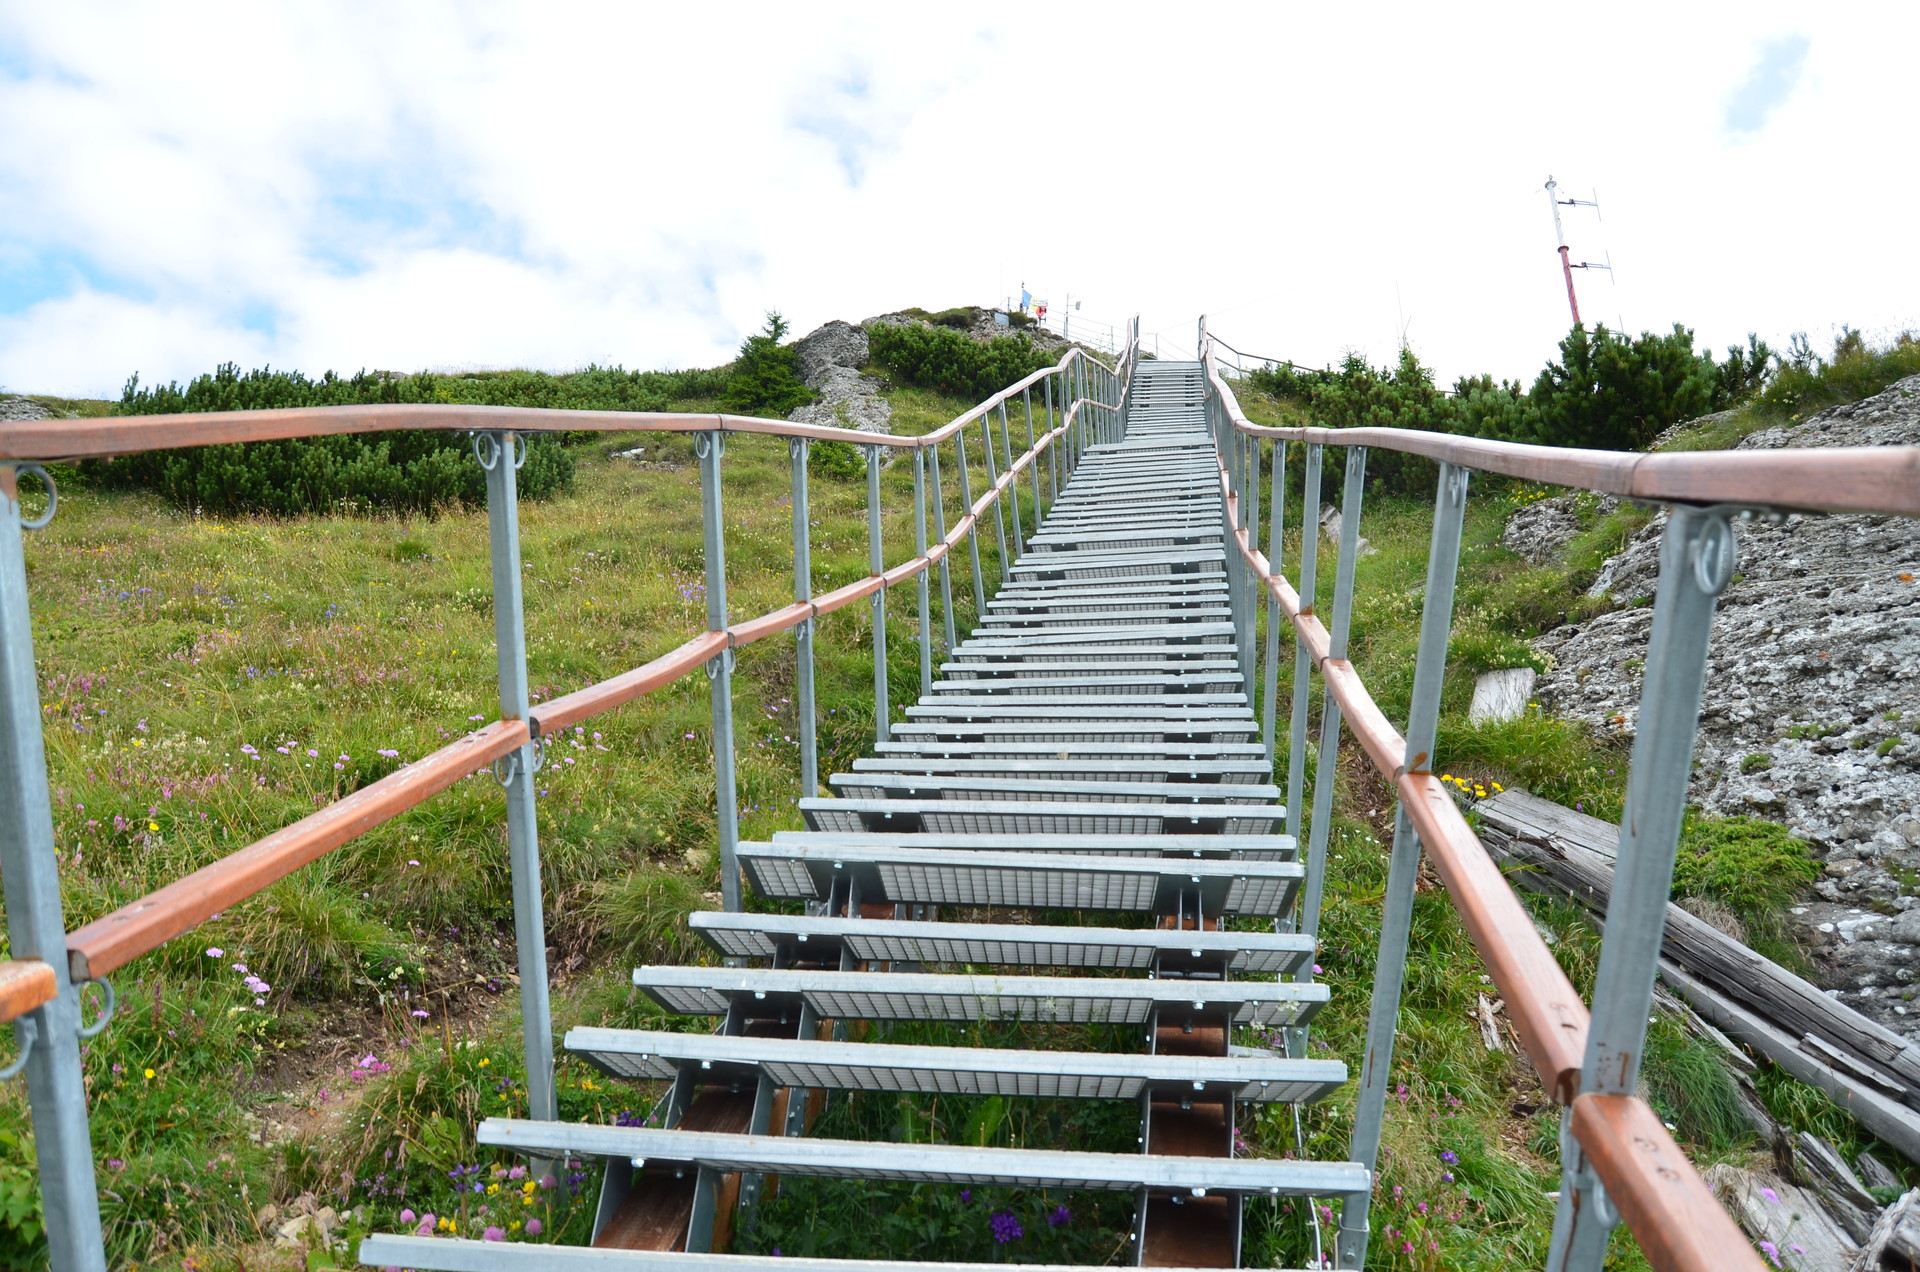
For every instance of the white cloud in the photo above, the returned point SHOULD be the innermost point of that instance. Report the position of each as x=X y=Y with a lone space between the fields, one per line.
x=458 y=185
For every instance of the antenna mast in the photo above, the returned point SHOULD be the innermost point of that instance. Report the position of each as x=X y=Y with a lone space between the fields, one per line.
x=1560 y=237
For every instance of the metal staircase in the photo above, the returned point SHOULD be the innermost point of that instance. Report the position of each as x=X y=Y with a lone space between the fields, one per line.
x=1091 y=748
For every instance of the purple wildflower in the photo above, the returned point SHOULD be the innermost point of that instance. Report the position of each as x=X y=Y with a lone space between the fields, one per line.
x=1450 y=1157
x=1059 y=1216
x=533 y=1227
x=494 y=1234
x=1005 y=1227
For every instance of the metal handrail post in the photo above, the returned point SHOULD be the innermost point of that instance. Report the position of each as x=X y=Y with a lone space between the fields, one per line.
x=946 y=575
x=1033 y=469
x=710 y=446
x=1396 y=918
x=973 y=531
x=523 y=826
x=999 y=505
x=1053 y=451
x=803 y=631
x=36 y=922
x=1276 y=524
x=1696 y=562
x=920 y=579
x=1326 y=771
x=876 y=564
x=1254 y=589
x=1302 y=660
x=1012 y=497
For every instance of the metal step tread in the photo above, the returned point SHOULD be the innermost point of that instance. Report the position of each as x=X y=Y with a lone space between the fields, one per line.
x=748 y=935
x=915 y=786
x=943 y=1163
x=466 y=1254
x=1248 y=771
x=650 y=1056
x=904 y=874
x=964 y=998
x=1267 y=847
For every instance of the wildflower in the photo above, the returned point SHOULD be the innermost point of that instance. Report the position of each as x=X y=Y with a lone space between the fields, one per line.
x=283 y=750
x=533 y=1227
x=407 y=1215
x=388 y=752
x=214 y=951
x=1773 y=1198
x=412 y=862
x=427 y=1224
x=1450 y=1157
x=418 y=1014
x=312 y=754
x=114 y=1163
x=1059 y=1216
x=476 y=717
x=149 y=1075
x=966 y=1194
x=1005 y=1227
x=153 y=825
x=1772 y=1252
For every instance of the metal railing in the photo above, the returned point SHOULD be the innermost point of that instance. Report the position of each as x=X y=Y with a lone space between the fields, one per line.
x=1618 y=1161
x=1064 y=409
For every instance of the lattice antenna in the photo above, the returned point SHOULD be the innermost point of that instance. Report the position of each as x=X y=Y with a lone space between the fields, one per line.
x=1567 y=264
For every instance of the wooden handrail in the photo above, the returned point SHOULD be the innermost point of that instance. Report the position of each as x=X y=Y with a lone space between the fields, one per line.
x=1874 y=479
x=25 y=983
x=113 y=940
x=29 y=441
x=1674 y=1216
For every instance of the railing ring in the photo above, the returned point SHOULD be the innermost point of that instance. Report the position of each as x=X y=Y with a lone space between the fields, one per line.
x=1713 y=553
x=486 y=450
x=796 y=447
x=45 y=519
x=26 y=1033
x=519 y=450
x=99 y=1026
x=713 y=440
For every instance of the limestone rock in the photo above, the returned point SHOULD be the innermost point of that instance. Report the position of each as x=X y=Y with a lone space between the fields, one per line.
x=848 y=400
x=15 y=409
x=830 y=346
x=1501 y=695
x=1811 y=715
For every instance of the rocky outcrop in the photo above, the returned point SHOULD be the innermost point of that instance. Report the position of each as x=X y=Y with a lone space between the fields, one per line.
x=13 y=409
x=1539 y=530
x=830 y=360
x=1811 y=714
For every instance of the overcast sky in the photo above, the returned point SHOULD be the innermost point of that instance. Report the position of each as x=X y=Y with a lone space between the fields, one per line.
x=486 y=185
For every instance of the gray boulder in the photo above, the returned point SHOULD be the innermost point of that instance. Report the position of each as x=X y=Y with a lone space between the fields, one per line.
x=832 y=345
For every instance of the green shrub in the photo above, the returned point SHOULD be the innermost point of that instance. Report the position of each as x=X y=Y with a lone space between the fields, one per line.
x=1754 y=868
x=1805 y=382
x=935 y=357
x=841 y=461
x=766 y=376
x=1614 y=393
x=415 y=470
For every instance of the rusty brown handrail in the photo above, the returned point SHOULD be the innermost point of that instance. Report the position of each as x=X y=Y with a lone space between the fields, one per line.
x=41 y=441
x=24 y=985
x=1681 y=1227
x=117 y=938
x=1881 y=479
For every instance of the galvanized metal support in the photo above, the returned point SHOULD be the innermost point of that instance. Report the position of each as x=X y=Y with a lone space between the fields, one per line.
x=1012 y=497
x=876 y=563
x=1302 y=662
x=946 y=575
x=803 y=632
x=999 y=505
x=1396 y=917
x=1059 y=444
x=501 y=454
x=36 y=923
x=710 y=447
x=921 y=581
x=1696 y=561
x=1276 y=526
x=973 y=531
x=1326 y=772
x=1033 y=469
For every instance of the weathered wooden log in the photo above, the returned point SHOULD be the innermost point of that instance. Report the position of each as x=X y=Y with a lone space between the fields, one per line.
x=1867 y=1068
